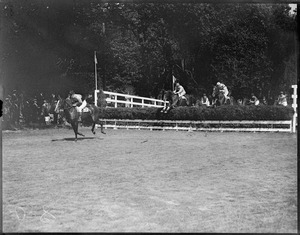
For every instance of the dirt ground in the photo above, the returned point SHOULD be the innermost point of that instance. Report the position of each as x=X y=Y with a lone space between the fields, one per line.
x=149 y=181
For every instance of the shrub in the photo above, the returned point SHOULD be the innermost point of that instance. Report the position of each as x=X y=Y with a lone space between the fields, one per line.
x=203 y=113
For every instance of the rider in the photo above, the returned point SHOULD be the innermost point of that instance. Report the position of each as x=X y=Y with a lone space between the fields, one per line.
x=78 y=98
x=179 y=90
x=223 y=89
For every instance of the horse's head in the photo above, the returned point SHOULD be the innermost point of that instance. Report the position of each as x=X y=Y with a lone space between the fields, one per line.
x=215 y=91
x=63 y=104
x=168 y=96
x=101 y=101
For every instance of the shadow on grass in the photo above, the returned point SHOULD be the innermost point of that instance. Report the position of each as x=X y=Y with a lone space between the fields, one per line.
x=79 y=139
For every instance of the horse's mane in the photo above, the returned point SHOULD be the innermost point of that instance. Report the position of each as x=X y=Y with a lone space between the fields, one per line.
x=101 y=101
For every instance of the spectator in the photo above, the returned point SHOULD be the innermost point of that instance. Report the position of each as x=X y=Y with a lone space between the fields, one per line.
x=264 y=101
x=282 y=99
x=253 y=100
x=204 y=100
x=240 y=102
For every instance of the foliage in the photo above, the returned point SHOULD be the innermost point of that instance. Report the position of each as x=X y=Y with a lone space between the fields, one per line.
x=203 y=113
x=51 y=44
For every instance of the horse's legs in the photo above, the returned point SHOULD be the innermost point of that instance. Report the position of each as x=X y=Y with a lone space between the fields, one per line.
x=93 y=127
x=75 y=128
x=102 y=130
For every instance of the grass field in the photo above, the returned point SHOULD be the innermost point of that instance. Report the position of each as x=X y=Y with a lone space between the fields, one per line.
x=149 y=181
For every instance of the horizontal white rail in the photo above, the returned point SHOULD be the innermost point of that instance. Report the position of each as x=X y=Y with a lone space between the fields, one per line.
x=148 y=124
x=130 y=100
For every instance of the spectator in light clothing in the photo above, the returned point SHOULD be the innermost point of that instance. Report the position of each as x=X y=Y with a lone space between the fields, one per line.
x=282 y=99
x=253 y=100
x=204 y=100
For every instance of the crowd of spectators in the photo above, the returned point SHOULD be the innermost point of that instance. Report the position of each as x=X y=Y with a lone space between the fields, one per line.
x=21 y=110
x=281 y=100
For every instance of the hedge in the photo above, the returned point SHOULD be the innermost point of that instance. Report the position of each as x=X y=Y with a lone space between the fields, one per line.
x=230 y=112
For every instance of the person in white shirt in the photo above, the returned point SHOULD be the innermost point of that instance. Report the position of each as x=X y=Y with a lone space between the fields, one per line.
x=179 y=90
x=282 y=99
x=205 y=100
x=254 y=100
x=223 y=89
x=78 y=98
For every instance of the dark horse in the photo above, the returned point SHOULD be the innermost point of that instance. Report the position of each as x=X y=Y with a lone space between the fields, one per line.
x=219 y=98
x=172 y=100
x=72 y=115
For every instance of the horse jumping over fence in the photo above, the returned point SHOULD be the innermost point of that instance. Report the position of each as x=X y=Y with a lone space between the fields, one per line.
x=173 y=101
x=72 y=115
x=219 y=98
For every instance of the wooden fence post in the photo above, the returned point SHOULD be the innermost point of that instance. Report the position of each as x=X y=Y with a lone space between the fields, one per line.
x=294 y=105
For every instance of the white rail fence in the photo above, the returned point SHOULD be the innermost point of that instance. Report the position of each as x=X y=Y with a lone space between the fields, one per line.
x=240 y=126
x=119 y=100
x=294 y=105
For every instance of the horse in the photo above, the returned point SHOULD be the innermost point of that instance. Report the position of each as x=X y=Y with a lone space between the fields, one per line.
x=219 y=98
x=172 y=100
x=72 y=115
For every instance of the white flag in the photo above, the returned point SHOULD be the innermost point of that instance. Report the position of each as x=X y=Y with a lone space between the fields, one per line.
x=95 y=58
x=174 y=79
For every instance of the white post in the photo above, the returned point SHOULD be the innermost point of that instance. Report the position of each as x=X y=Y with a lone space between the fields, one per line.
x=95 y=96
x=142 y=103
x=294 y=105
x=116 y=100
x=131 y=102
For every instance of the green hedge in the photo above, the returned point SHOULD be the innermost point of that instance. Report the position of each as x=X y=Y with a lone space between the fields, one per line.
x=202 y=113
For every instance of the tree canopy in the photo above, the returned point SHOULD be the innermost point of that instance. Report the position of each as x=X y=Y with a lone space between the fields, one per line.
x=49 y=45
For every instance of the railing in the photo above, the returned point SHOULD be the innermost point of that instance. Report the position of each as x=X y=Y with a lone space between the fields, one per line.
x=119 y=100
x=177 y=125
x=294 y=105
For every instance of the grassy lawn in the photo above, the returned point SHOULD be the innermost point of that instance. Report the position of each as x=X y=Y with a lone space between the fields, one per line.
x=149 y=181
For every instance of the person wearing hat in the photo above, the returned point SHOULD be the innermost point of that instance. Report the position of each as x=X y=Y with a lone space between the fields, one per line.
x=35 y=110
x=282 y=99
x=223 y=89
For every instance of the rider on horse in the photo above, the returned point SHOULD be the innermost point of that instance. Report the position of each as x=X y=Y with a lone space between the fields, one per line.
x=179 y=90
x=77 y=98
x=223 y=89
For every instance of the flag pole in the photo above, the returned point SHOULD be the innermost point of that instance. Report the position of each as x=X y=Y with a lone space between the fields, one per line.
x=95 y=61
